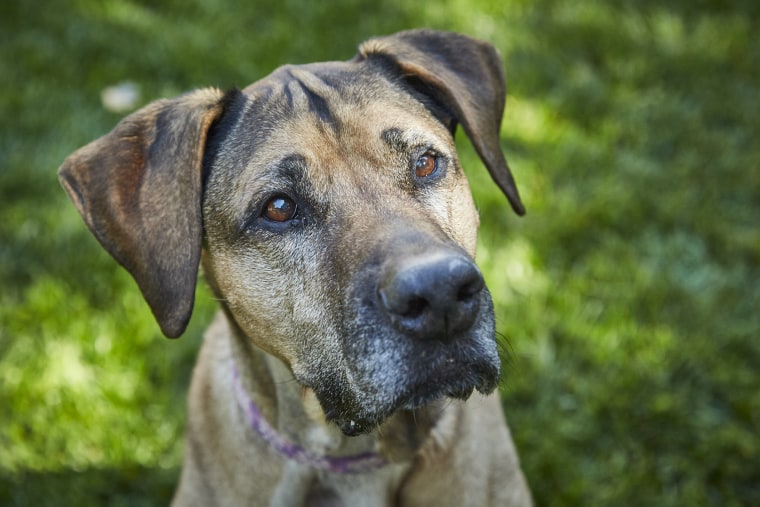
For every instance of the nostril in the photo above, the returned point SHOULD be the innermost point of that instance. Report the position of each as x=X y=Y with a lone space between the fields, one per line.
x=404 y=306
x=470 y=289
x=415 y=307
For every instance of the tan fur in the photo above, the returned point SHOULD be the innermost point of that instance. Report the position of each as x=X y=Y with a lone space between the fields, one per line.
x=302 y=322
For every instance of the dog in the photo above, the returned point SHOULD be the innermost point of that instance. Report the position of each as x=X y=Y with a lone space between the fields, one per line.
x=333 y=221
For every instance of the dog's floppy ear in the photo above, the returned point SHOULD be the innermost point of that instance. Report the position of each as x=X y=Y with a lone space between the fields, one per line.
x=465 y=75
x=138 y=189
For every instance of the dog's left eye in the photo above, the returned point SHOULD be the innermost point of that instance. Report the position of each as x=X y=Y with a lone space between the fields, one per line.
x=280 y=208
x=426 y=164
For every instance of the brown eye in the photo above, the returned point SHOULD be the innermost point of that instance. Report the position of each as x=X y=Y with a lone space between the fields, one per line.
x=280 y=209
x=426 y=165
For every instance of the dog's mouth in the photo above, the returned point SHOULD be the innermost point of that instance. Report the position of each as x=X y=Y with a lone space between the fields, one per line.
x=354 y=419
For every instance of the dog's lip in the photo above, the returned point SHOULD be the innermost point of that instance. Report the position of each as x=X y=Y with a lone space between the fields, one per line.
x=457 y=384
x=454 y=386
x=420 y=400
x=356 y=426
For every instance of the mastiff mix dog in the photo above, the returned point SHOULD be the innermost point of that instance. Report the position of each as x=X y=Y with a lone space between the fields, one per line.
x=333 y=221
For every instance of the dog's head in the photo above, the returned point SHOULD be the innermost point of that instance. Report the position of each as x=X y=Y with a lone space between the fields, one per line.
x=333 y=217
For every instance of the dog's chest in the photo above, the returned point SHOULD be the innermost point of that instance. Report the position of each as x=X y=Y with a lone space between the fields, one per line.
x=301 y=485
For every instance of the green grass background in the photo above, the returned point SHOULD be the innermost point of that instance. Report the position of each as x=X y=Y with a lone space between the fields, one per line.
x=628 y=298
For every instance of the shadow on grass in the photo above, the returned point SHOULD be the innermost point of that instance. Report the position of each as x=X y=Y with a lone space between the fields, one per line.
x=127 y=486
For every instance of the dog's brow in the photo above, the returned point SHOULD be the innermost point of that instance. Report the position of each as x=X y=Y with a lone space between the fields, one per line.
x=394 y=138
x=288 y=172
x=291 y=168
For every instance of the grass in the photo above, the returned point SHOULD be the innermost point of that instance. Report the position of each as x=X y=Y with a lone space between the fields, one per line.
x=628 y=297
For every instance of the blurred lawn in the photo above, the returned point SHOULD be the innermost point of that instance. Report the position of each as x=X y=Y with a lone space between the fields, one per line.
x=629 y=297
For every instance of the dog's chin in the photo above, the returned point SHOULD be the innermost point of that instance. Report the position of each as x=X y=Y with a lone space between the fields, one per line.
x=415 y=398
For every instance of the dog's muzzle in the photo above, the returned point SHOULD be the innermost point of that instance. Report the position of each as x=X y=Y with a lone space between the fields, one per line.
x=422 y=329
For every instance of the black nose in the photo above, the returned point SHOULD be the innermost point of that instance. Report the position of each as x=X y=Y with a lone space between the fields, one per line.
x=433 y=296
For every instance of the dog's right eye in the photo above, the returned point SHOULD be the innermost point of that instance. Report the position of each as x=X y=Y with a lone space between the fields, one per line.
x=280 y=208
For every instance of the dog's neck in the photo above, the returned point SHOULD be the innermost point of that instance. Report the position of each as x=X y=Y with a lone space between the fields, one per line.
x=358 y=463
x=275 y=408
x=284 y=415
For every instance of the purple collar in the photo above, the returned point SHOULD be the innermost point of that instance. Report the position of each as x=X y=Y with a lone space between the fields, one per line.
x=357 y=464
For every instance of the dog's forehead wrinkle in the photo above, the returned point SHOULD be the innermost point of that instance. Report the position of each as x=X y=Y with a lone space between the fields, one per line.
x=314 y=88
x=305 y=94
